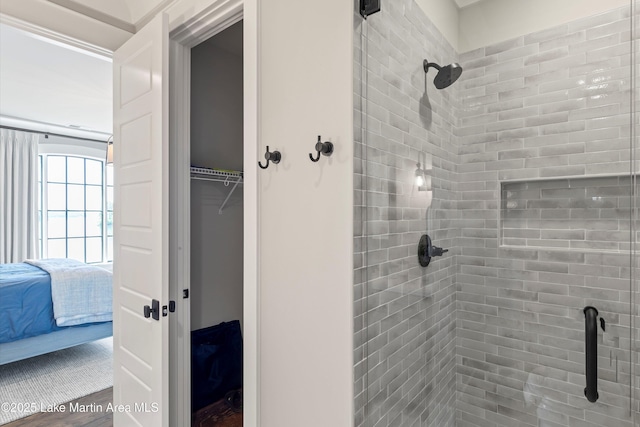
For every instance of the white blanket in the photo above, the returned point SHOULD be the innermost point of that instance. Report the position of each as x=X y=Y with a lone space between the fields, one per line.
x=81 y=293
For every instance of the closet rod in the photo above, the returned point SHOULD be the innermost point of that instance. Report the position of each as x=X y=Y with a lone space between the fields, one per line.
x=53 y=134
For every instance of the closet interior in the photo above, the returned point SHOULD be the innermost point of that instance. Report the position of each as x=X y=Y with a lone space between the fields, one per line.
x=217 y=229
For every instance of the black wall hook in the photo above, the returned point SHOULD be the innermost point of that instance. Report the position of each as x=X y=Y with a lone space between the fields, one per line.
x=274 y=157
x=324 y=148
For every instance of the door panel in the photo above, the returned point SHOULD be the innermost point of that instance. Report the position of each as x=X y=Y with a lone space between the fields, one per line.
x=141 y=226
x=139 y=129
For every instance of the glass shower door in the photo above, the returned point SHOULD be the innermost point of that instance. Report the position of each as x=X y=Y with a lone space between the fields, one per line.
x=523 y=169
x=406 y=189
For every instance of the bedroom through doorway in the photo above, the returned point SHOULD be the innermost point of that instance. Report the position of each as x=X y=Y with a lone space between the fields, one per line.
x=56 y=220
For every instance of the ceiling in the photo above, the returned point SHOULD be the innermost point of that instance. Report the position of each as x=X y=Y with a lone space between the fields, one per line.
x=131 y=15
x=50 y=83
x=464 y=3
x=128 y=15
x=46 y=83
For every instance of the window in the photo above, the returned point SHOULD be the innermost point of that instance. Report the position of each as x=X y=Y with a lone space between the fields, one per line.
x=109 y=212
x=76 y=208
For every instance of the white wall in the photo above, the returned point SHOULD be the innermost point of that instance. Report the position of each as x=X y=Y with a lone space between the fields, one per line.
x=444 y=15
x=216 y=255
x=216 y=104
x=216 y=141
x=306 y=214
x=492 y=21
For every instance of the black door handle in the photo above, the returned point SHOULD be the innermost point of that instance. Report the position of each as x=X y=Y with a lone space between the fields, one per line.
x=153 y=311
x=591 y=352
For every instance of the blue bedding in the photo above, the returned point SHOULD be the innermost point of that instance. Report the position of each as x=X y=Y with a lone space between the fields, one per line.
x=26 y=308
x=81 y=293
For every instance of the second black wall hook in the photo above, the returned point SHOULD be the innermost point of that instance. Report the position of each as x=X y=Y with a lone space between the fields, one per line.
x=274 y=157
x=324 y=148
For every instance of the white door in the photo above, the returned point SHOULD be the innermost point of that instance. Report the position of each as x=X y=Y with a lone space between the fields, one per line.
x=141 y=344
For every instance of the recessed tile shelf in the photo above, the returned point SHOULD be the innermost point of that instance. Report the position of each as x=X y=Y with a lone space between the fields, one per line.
x=585 y=214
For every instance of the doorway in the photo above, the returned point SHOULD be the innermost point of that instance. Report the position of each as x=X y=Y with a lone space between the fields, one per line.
x=216 y=264
x=195 y=203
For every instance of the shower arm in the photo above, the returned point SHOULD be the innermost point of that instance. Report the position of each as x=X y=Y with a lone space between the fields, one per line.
x=432 y=64
x=426 y=65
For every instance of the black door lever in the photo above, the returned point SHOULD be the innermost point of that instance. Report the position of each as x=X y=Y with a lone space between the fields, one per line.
x=591 y=352
x=153 y=310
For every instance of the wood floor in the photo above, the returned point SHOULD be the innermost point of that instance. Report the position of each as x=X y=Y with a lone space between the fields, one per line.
x=73 y=419
x=207 y=417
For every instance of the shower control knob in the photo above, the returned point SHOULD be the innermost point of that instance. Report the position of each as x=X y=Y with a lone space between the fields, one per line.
x=436 y=251
x=426 y=250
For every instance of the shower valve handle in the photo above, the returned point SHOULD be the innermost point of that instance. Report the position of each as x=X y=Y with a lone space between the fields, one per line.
x=426 y=250
x=436 y=251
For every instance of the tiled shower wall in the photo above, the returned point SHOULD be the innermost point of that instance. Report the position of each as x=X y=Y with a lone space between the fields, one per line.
x=494 y=333
x=405 y=315
x=548 y=105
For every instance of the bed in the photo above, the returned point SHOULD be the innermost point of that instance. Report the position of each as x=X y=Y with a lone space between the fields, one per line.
x=49 y=305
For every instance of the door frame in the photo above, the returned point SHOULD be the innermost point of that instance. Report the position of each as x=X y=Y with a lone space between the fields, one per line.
x=219 y=15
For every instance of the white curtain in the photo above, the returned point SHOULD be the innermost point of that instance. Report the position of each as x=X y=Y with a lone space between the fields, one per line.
x=18 y=196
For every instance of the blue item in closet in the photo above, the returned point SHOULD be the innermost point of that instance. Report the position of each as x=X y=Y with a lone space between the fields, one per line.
x=216 y=363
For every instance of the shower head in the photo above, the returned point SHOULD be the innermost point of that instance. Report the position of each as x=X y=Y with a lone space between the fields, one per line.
x=446 y=75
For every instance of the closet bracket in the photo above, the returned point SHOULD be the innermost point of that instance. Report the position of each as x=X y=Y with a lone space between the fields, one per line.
x=229 y=195
x=216 y=175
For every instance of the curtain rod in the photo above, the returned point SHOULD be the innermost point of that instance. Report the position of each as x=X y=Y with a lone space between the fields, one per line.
x=46 y=134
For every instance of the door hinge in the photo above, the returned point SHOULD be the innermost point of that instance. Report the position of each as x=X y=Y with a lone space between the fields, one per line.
x=153 y=311
x=185 y=293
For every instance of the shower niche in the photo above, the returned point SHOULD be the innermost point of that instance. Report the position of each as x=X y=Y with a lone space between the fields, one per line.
x=583 y=213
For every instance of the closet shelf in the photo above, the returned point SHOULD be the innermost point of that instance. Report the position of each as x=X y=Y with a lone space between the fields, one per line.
x=216 y=175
